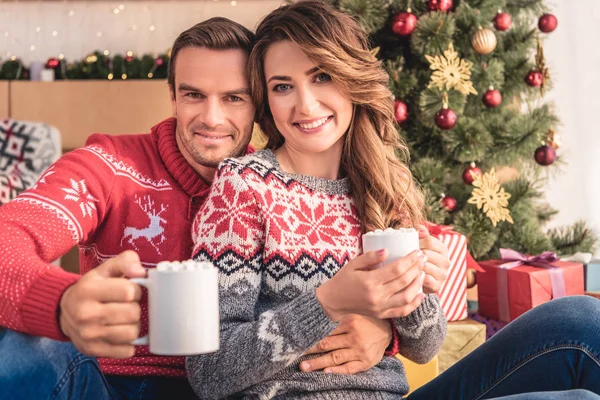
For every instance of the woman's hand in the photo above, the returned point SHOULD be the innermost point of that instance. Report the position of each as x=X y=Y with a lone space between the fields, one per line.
x=361 y=287
x=438 y=262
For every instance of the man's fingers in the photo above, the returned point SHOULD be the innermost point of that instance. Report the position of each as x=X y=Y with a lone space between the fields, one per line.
x=125 y=264
x=350 y=368
x=331 y=359
x=121 y=313
x=114 y=290
x=120 y=334
x=100 y=348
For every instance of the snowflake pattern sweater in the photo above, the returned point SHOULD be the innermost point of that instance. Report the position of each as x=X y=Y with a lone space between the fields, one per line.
x=276 y=237
x=117 y=193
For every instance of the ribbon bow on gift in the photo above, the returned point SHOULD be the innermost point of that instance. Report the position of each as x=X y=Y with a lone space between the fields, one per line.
x=515 y=259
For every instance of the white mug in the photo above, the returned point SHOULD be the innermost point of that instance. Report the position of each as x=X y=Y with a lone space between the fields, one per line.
x=399 y=243
x=183 y=308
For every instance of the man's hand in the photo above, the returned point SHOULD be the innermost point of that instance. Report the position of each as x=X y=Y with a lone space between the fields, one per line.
x=356 y=345
x=101 y=312
x=436 y=267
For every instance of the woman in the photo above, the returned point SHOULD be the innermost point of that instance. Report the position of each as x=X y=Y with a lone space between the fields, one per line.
x=282 y=225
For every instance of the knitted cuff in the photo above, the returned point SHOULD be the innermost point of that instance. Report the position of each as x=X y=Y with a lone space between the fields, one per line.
x=428 y=310
x=394 y=346
x=41 y=302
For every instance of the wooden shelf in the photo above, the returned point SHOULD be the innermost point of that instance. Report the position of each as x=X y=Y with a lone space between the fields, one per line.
x=4 y=99
x=80 y=108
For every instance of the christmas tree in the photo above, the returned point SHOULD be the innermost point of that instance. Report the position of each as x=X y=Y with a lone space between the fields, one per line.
x=468 y=78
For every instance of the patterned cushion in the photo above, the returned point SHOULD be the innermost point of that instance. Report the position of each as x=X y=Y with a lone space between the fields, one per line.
x=26 y=150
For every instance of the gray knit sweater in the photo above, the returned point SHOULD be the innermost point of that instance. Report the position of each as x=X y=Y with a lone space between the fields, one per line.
x=275 y=238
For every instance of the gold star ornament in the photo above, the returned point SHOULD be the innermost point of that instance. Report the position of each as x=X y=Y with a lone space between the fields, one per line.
x=451 y=72
x=488 y=194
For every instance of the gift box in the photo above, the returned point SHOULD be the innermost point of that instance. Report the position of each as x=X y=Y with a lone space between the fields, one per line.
x=491 y=325
x=418 y=375
x=462 y=338
x=591 y=276
x=517 y=283
x=591 y=270
x=453 y=293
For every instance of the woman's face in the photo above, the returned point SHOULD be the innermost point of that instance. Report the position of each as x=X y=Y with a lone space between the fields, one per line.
x=308 y=109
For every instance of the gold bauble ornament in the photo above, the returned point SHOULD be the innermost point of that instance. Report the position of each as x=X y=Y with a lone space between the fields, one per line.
x=484 y=41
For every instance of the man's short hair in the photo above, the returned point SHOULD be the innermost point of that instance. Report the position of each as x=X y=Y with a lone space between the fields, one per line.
x=216 y=33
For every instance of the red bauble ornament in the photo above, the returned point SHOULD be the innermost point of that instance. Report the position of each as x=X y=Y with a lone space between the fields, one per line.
x=52 y=63
x=439 y=5
x=159 y=61
x=449 y=203
x=470 y=174
x=492 y=98
x=404 y=23
x=534 y=78
x=446 y=119
x=545 y=155
x=547 y=23
x=400 y=111
x=129 y=58
x=502 y=21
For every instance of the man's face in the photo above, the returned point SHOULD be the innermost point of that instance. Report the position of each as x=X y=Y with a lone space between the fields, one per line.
x=212 y=105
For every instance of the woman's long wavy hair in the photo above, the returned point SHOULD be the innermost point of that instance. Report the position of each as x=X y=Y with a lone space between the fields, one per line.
x=383 y=188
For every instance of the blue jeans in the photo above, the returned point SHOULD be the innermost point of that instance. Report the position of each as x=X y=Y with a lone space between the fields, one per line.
x=39 y=369
x=554 y=347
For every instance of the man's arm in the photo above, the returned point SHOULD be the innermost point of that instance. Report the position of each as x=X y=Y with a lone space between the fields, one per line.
x=39 y=226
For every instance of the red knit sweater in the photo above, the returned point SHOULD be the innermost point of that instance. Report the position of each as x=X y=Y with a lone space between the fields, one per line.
x=117 y=193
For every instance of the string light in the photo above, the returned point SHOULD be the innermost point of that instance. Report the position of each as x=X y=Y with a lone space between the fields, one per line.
x=110 y=76
x=106 y=52
x=55 y=33
x=233 y=3
x=151 y=28
x=38 y=29
x=71 y=13
x=124 y=76
x=130 y=53
x=134 y=27
x=13 y=58
x=61 y=56
x=116 y=11
x=6 y=33
x=32 y=47
x=121 y=7
x=99 y=34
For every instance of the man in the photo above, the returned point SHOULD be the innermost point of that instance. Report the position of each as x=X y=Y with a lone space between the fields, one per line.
x=128 y=202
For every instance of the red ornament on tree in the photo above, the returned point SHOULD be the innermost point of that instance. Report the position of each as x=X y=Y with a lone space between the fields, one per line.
x=159 y=61
x=534 y=78
x=502 y=21
x=547 y=23
x=129 y=58
x=545 y=155
x=52 y=63
x=449 y=203
x=404 y=23
x=446 y=118
x=439 y=5
x=400 y=111
x=492 y=98
x=471 y=173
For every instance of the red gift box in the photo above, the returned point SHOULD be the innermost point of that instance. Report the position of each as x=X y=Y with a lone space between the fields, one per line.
x=507 y=291
x=453 y=293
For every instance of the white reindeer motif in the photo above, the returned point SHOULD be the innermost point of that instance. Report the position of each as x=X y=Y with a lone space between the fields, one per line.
x=150 y=232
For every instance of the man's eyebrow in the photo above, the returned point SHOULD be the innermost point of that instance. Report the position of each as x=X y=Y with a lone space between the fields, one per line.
x=185 y=86
x=237 y=92
x=287 y=78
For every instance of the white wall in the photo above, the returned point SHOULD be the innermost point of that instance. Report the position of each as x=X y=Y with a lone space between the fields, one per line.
x=573 y=55
x=82 y=27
